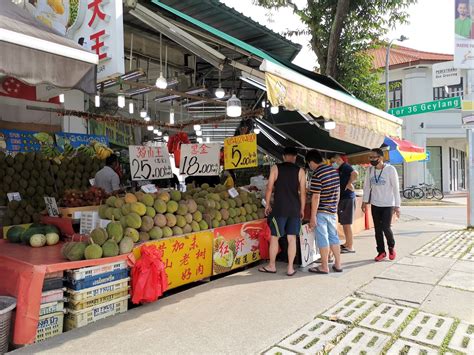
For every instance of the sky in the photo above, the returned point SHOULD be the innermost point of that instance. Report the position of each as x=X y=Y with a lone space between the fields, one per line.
x=430 y=29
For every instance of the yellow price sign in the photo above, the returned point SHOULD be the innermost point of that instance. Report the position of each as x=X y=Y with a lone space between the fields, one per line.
x=240 y=152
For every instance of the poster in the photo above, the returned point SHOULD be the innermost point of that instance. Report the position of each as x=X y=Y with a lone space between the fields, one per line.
x=200 y=159
x=463 y=34
x=309 y=251
x=15 y=141
x=149 y=163
x=187 y=258
x=76 y=140
x=240 y=152
x=120 y=134
x=236 y=246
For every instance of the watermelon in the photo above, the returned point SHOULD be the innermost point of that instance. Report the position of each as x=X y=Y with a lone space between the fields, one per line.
x=26 y=235
x=51 y=229
x=14 y=234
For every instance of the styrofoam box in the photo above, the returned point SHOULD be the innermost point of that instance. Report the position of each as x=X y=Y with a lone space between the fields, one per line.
x=51 y=307
x=92 y=302
x=52 y=296
x=77 y=319
x=80 y=274
x=49 y=326
x=89 y=221
x=94 y=292
x=97 y=280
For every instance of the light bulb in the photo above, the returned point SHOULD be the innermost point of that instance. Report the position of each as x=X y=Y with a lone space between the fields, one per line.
x=329 y=125
x=220 y=92
x=198 y=133
x=156 y=131
x=160 y=133
x=131 y=109
x=234 y=107
x=197 y=127
x=61 y=98
x=171 y=116
x=166 y=138
x=264 y=103
x=161 y=82
x=147 y=119
x=150 y=128
x=97 y=101
x=199 y=140
x=121 y=99
x=256 y=130
x=208 y=140
x=143 y=113
x=274 y=110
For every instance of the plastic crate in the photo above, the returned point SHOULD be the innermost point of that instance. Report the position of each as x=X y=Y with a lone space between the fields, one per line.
x=94 y=292
x=85 y=272
x=77 y=319
x=97 y=280
x=52 y=284
x=52 y=307
x=52 y=296
x=92 y=302
x=54 y=275
x=49 y=326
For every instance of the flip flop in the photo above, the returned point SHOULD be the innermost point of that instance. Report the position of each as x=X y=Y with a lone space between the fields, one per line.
x=316 y=270
x=264 y=269
x=335 y=269
x=294 y=272
x=347 y=251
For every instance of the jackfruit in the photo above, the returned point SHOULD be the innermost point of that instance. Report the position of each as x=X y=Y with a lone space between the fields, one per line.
x=170 y=220
x=126 y=245
x=147 y=224
x=160 y=206
x=132 y=233
x=171 y=206
x=175 y=195
x=150 y=212
x=130 y=198
x=115 y=231
x=156 y=233
x=134 y=220
x=110 y=248
x=139 y=208
x=93 y=251
x=167 y=232
x=147 y=200
x=99 y=236
x=177 y=231
x=160 y=220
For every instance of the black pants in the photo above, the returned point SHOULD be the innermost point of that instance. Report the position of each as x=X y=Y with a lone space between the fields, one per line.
x=382 y=217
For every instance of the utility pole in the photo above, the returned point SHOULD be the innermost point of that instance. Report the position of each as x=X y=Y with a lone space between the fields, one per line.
x=468 y=120
x=387 y=68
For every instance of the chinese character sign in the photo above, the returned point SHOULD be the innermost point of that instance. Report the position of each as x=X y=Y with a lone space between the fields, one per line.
x=187 y=258
x=240 y=152
x=199 y=159
x=149 y=163
x=14 y=141
x=76 y=140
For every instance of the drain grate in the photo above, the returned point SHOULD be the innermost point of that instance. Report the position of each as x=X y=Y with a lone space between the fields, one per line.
x=463 y=338
x=428 y=328
x=386 y=318
x=361 y=341
x=349 y=309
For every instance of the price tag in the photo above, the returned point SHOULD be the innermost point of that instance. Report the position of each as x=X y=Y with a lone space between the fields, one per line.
x=233 y=192
x=240 y=152
x=149 y=189
x=200 y=159
x=92 y=182
x=51 y=206
x=149 y=163
x=14 y=196
x=264 y=203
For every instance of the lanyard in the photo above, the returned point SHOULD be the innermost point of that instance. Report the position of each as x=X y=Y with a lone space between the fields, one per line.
x=377 y=179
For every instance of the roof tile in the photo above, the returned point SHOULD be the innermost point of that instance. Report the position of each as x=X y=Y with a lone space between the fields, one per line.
x=404 y=56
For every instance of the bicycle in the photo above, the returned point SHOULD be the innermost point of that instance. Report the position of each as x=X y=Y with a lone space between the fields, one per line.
x=430 y=191
x=413 y=192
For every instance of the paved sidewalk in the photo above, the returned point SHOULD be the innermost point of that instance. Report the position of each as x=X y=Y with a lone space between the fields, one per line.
x=244 y=313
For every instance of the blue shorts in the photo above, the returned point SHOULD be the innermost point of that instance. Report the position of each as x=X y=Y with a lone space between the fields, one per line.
x=326 y=231
x=283 y=226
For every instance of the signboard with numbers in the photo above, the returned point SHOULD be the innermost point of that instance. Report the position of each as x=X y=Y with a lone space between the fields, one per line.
x=199 y=159
x=240 y=152
x=149 y=163
x=15 y=141
x=308 y=247
x=51 y=206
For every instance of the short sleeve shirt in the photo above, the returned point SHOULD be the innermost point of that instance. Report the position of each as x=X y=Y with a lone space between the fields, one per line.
x=345 y=171
x=107 y=179
x=325 y=182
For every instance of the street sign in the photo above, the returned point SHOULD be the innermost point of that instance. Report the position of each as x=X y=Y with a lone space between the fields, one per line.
x=425 y=107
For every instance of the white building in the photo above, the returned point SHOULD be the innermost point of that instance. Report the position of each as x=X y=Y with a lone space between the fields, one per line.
x=440 y=132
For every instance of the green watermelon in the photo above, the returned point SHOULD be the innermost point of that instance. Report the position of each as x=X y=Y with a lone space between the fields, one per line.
x=51 y=229
x=26 y=235
x=14 y=234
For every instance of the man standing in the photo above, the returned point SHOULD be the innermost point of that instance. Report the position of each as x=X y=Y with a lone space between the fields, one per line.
x=463 y=23
x=381 y=191
x=288 y=181
x=106 y=178
x=346 y=206
x=325 y=189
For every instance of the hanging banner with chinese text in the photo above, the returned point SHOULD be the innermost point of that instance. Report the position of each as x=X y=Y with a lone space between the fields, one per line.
x=240 y=152
x=187 y=258
x=149 y=163
x=236 y=246
x=15 y=141
x=77 y=140
x=199 y=159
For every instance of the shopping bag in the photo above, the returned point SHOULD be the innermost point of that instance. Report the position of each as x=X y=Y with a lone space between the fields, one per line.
x=149 y=279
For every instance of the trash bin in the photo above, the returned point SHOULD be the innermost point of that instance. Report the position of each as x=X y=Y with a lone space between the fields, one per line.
x=7 y=305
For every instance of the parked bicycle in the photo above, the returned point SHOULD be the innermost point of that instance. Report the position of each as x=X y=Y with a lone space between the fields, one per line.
x=430 y=191
x=413 y=192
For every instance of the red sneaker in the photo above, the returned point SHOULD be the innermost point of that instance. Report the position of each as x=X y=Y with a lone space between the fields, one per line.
x=380 y=257
x=392 y=254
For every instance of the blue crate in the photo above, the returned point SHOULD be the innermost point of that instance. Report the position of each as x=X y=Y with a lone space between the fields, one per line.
x=97 y=280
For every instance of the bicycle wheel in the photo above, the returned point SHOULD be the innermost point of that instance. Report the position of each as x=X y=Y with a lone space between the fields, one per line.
x=429 y=193
x=438 y=194
x=418 y=193
x=408 y=194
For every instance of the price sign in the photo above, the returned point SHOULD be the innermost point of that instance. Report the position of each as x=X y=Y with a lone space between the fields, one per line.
x=149 y=163
x=233 y=192
x=149 y=189
x=51 y=206
x=240 y=152
x=199 y=159
x=14 y=196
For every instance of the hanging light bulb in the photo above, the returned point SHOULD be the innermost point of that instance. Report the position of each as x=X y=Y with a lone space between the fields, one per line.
x=131 y=108
x=143 y=113
x=161 y=82
x=208 y=140
x=160 y=133
x=256 y=130
x=171 y=116
x=234 y=107
x=155 y=131
x=199 y=140
x=121 y=98
x=274 y=110
x=220 y=92
x=147 y=118
x=97 y=100
x=150 y=128
x=198 y=133
x=197 y=127
x=61 y=98
x=264 y=103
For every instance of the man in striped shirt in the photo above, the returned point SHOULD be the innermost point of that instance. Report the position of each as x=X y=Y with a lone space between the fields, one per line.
x=325 y=189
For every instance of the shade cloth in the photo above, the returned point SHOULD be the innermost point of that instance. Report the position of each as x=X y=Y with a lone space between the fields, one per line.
x=402 y=150
x=35 y=54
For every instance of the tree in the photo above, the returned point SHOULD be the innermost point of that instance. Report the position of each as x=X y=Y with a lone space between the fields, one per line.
x=342 y=31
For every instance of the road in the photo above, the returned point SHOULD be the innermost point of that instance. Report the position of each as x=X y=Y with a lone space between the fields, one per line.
x=456 y=214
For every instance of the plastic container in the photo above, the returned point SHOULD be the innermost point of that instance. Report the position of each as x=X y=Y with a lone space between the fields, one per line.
x=94 y=292
x=7 y=305
x=52 y=307
x=52 y=296
x=92 y=302
x=97 y=280
x=85 y=272
x=49 y=326
x=77 y=319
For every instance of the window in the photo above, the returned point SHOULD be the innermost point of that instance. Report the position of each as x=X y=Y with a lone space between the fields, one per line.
x=395 y=93
x=440 y=93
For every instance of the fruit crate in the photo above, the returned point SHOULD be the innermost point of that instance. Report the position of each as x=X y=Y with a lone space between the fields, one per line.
x=51 y=307
x=92 y=302
x=97 y=280
x=52 y=296
x=76 y=212
x=86 y=272
x=94 y=292
x=49 y=326
x=52 y=284
x=77 y=319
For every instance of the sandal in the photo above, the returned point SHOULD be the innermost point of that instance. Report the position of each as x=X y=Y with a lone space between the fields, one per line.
x=335 y=269
x=264 y=269
x=317 y=270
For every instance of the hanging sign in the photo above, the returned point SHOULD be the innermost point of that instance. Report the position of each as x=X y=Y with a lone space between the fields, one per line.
x=51 y=206
x=149 y=163
x=240 y=152
x=77 y=140
x=199 y=159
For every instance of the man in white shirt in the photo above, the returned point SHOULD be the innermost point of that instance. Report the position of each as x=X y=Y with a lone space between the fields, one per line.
x=107 y=178
x=381 y=191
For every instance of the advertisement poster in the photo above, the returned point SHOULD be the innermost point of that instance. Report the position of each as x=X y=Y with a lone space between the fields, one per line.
x=117 y=133
x=236 y=246
x=76 y=139
x=309 y=250
x=15 y=141
x=187 y=259
x=149 y=163
x=463 y=34
x=240 y=152
x=200 y=159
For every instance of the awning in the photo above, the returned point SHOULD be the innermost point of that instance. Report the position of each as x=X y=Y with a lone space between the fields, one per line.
x=34 y=54
x=401 y=150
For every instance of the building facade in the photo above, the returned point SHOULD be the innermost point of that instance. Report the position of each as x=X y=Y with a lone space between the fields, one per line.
x=411 y=78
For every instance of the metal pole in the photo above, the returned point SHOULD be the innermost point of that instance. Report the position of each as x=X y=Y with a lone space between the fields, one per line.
x=470 y=177
x=387 y=67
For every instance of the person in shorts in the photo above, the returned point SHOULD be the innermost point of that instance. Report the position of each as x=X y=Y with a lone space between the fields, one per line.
x=324 y=187
x=288 y=182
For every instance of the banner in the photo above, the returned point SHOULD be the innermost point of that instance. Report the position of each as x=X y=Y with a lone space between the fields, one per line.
x=149 y=163
x=309 y=251
x=357 y=135
x=76 y=139
x=117 y=133
x=15 y=141
x=463 y=34
x=199 y=159
x=187 y=258
x=240 y=152
x=236 y=246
